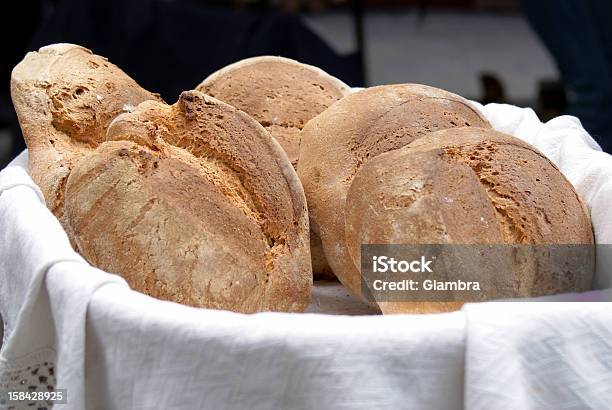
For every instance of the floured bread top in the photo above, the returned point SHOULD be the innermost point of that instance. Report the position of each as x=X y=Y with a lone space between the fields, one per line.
x=473 y=186
x=203 y=205
x=361 y=126
x=280 y=93
x=194 y=203
x=65 y=97
x=520 y=196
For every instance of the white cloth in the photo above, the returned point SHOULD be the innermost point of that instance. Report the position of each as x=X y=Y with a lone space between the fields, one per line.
x=114 y=348
x=538 y=356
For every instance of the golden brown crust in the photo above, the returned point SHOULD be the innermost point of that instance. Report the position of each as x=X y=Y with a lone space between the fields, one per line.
x=203 y=204
x=473 y=186
x=193 y=202
x=336 y=143
x=65 y=96
x=282 y=95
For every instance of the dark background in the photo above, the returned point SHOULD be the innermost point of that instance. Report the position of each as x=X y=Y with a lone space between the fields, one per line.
x=171 y=45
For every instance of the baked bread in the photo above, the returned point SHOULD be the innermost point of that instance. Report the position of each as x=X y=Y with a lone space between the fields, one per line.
x=280 y=93
x=65 y=96
x=203 y=204
x=340 y=140
x=194 y=203
x=475 y=186
x=283 y=95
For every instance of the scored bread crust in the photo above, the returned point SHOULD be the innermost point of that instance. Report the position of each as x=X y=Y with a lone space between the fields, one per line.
x=283 y=95
x=475 y=186
x=337 y=142
x=203 y=205
x=194 y=203
x=65 y=96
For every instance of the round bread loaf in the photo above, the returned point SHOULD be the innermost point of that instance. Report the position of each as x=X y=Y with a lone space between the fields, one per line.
x=194 y=203
x=282 y=95
x=340 y=140
x=475 y=186
x=65 y=97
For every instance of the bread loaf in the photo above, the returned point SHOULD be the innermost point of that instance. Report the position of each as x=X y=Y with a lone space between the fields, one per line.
x=65 y=96
x=474 y=186
x=194 y=203
x=203 y=204
x=199 y=202
x=280 y=93
x=340 y=140
x=283 y=95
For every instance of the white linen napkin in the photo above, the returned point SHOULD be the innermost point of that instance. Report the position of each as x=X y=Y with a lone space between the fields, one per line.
x=538 y=356
x=45 y=286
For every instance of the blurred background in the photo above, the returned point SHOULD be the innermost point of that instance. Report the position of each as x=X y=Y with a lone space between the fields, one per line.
x=552 y=55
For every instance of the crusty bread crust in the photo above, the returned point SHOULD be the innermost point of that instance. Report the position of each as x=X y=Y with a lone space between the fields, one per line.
x=274 y=59
x=194 y=203
x=65 y=96
x=474 y=186
x=283 y=95
x=203 y=205
x=217 y=75
x=362 y=125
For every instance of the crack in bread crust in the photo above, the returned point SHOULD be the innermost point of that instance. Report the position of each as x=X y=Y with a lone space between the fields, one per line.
x=352 y=132
x=489 y=189
x=197 y=127
x=281 y=94
x=65 y=96
x=510 y=215
x=251 y=175
x=235 y=193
